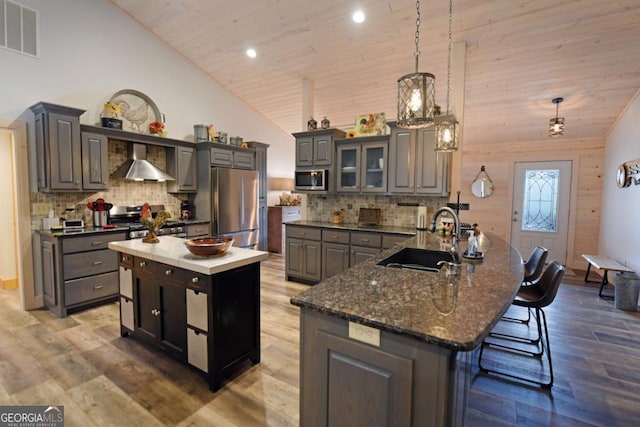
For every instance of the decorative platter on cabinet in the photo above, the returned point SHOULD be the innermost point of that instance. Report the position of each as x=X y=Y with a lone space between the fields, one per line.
x=138 y=110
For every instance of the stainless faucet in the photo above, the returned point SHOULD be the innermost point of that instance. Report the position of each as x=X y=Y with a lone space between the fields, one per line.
x=456 y=220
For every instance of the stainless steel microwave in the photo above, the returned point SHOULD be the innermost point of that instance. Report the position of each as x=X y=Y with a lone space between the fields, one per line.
x=312 y=180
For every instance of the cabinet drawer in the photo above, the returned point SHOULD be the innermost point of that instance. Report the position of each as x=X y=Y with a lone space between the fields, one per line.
x=126 y=313
x=197 y=352
x=90 y=243
x=126 y=282
x=221 y=157
x=89 y=263
x=336 y=236
x=197 y=230
x=388 y=240
x=371 y=240
x=197 y=309
x=244 y=160
x=90 y=288
x=303 y=233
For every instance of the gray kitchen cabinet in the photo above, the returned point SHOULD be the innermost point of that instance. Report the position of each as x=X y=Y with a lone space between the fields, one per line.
x=315 y=148
x=361 y=253
x=335 y=252
x=360 y=166
x=58 y=147
x=407 y=382
x=414 y=166
x=335 y=259
x=263 y=211
x=78 y=271
x=95 y=161
x=236 y=157
x=182 y=165
x=303 y=253
x=390 y=240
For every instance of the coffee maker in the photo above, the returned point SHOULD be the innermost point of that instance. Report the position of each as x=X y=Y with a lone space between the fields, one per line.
x=185 y=210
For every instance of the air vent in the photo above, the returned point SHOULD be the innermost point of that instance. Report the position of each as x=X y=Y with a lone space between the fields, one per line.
x=18 y=28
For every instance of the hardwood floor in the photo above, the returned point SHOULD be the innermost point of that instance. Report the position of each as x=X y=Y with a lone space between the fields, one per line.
x=104 y=380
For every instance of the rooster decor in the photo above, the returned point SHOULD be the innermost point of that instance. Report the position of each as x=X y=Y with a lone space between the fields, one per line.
x=152 y=223
x=136 y=116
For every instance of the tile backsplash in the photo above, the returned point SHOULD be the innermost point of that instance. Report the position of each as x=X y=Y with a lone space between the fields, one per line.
x=319 y=208
x=121 y=192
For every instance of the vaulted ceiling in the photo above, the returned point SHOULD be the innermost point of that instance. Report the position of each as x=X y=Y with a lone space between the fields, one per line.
x=519 y=55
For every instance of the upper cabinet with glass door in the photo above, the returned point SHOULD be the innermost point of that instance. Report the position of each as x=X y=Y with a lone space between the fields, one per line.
x=361 y=164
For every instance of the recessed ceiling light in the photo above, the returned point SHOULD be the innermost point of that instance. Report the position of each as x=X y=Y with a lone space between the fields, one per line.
x=251 y=52
x=358 y=16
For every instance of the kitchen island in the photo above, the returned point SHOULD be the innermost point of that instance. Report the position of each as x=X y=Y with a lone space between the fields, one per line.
x=389 y=346
x=205 y=311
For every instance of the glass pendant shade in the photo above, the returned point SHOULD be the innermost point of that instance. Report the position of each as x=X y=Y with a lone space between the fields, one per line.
x=416 y=100
x=556 y=126
x=447 y=135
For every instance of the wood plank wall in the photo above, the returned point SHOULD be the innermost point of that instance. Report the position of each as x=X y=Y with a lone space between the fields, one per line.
x=494 y=213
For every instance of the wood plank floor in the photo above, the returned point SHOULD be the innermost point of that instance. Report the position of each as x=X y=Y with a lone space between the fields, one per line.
x=104 y=380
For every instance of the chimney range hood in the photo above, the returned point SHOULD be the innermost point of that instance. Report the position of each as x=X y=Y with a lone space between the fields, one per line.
x=138 y=168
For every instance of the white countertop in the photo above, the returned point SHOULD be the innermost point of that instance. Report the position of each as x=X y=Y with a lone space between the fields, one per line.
x=172 y=251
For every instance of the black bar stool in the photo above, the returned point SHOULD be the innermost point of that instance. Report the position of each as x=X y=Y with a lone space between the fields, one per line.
x=532 y=272
x=536 y=296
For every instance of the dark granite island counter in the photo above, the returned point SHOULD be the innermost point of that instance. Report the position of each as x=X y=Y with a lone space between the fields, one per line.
x=203 y=311
x=387 y=346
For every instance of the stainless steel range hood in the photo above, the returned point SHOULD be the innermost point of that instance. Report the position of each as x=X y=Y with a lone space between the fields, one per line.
x=138 y=168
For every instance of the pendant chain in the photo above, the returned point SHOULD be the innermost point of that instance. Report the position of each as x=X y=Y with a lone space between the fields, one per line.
x=417 y=53
x=449 y=55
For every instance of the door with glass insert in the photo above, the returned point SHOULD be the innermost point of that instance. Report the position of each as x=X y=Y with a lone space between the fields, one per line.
x=540 y=211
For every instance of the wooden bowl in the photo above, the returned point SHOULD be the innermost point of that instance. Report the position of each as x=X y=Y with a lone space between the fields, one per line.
x=208 y=246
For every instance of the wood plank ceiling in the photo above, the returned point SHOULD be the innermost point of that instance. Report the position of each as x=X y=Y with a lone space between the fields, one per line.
x=520 y=54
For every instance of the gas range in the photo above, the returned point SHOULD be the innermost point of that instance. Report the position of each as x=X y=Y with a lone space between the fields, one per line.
x=129 y=216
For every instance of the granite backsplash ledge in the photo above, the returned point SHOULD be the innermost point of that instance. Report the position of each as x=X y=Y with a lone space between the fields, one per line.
x=393 y=212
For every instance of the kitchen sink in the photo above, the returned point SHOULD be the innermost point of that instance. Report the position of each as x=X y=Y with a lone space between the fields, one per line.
x=417 y=259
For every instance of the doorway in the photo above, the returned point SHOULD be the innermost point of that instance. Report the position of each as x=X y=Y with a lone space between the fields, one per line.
x=540 y=211
x=8 y=264
x=22 y=212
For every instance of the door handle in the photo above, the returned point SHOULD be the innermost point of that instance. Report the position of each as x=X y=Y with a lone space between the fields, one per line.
x=97 y=262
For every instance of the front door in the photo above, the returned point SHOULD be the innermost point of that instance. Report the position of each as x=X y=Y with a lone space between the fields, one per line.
x=540 y=212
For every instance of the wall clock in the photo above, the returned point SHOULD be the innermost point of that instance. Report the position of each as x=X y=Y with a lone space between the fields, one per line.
x=623 y=179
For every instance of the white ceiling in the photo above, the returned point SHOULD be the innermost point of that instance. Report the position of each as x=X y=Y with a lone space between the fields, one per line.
x=520 y=54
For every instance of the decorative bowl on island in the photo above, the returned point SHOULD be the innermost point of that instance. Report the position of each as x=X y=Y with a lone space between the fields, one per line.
x=208 y=246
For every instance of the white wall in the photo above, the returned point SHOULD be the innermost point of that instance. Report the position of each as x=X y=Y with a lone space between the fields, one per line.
x=7 y=235
x=620 y=221
x=90 y=49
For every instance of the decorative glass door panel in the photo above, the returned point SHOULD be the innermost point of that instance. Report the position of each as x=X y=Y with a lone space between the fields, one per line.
x=374 y=174
x=349 y=168
x=540 y=203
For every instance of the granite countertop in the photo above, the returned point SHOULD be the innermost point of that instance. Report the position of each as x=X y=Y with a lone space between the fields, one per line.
x=455 y=312
x=409 y=231
x=195 y=221
x=82 y=231
x=172 y=251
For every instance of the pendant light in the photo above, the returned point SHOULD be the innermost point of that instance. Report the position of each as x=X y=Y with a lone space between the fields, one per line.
x=416 y=92
x=447 y=128
x=556 y=125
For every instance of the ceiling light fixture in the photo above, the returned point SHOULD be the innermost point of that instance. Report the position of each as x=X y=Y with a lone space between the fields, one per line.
x=416 y=92
x=447 y=128
x=556 y=125
x=251 y=53
x=358 y=17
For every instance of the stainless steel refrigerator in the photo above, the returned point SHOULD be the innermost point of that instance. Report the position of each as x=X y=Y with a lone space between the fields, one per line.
x=234 y=205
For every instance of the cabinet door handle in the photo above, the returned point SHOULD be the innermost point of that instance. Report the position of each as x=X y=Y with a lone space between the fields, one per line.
x=168 y=272
x=125 y=258
x=96 y=243
x=365 y=240
x=195 y=279
x=97 y=287
x=97 y=262
x=143 y=264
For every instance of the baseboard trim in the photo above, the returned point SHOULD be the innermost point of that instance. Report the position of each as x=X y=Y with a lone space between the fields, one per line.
x=9 y=283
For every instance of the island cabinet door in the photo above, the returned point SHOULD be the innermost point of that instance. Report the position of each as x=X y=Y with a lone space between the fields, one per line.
x=173 y=318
